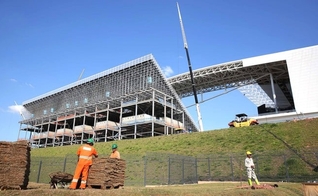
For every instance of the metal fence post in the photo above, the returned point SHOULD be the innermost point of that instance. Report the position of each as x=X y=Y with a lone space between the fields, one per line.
x=196 y=169
x=183 y=171
x=286 y=165
x=64 y=166
x=168 y=170
x=39 y=172
x=232 y=168
x=145 y=170
x=257 y=169
x=209 y=167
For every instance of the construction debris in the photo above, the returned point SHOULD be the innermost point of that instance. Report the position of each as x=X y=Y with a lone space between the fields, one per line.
x=14 y=165
x=265 y=186
x=262 y=186
x=107 y=173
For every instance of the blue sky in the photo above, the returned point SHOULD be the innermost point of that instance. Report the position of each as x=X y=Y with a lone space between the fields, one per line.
x=46 y=44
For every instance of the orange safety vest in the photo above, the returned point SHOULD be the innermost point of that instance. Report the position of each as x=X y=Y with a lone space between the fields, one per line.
x=85 y=154
x=115 y=155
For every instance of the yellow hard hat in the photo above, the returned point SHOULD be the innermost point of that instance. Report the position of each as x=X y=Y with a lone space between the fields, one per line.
x=248 y=152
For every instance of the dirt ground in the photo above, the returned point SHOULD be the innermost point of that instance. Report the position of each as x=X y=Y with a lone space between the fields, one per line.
x=224 y=189
x=35 y=189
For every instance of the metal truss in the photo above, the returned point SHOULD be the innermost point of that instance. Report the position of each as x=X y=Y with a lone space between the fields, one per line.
x=257 y=95
x=236 y=75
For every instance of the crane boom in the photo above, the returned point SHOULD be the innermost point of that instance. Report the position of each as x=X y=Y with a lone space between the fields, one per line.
x=80 y=77
x=19 y=109
x=190 y=70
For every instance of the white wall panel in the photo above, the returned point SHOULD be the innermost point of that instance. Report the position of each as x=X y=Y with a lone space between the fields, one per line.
x=303 y=72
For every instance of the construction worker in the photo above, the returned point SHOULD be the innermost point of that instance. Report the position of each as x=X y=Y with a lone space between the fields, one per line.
x=85 y=160
x=115 y=154
x=249 y=164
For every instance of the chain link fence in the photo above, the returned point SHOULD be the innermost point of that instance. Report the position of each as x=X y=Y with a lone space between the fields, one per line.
x=168 y=169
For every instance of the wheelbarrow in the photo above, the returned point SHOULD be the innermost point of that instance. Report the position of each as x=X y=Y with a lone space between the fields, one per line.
x=60 y=180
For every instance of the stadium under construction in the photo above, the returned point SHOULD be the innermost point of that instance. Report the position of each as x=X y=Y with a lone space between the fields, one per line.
x=135 y=99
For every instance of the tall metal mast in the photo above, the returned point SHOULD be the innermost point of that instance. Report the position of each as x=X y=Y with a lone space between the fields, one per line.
x=190 y=69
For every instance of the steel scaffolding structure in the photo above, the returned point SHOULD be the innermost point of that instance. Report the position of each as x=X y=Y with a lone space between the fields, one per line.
x=129 y=101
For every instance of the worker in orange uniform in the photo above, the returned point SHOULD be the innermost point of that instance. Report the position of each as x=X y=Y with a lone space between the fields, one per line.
x=85 y=160
x=249 y=164
x=115 y=154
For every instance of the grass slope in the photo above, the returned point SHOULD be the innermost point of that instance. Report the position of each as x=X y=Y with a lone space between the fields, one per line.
x=300 y=136
x=297 y=138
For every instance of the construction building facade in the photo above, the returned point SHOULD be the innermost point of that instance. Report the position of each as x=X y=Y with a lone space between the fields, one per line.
x=135 y=100
x=132 y=100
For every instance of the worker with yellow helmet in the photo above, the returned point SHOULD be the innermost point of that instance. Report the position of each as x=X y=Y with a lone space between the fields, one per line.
x=249 y=164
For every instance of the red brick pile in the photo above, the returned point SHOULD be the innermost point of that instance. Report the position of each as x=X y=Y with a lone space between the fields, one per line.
x=107 y=173
x=14 y=165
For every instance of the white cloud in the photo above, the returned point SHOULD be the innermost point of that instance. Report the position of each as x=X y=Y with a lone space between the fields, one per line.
x=167 y=71
x=15 y=109
x=30 y=85
x=13 y=80
x=19 y=109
